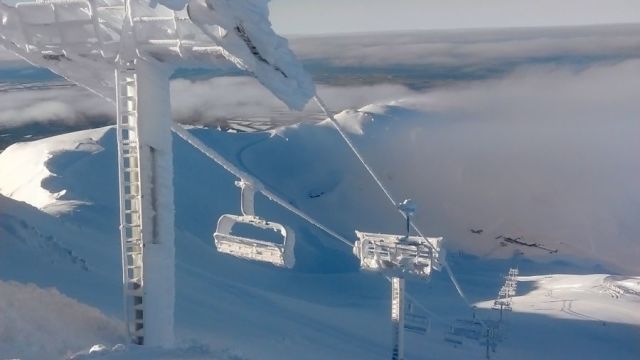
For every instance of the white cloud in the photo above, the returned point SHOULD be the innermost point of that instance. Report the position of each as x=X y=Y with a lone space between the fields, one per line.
x=68 y=105
x=460 y=52
x=472 y=47
x=202 y=102
x=243 y=97
x=550 y=154
x=8 y=56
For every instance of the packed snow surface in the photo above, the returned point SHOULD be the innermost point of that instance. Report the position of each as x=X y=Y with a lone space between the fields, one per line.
x=35 y=321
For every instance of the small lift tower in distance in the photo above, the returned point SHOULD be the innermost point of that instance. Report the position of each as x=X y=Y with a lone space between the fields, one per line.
x=507 y=292
x=398 y=256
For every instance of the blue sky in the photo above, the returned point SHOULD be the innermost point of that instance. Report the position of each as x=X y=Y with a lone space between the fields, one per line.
x=338 y=16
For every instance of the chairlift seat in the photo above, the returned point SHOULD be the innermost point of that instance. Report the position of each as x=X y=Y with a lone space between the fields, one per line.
x=416 y=329
x=254 y=249
x=279 y=254
x=397 y=255
x=470 y=329
x=417 y=324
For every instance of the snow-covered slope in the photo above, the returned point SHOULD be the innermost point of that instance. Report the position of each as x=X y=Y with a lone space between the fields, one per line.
x=324 y=308
x=603 y=311
x=29 y=167
x=47 y=257
x=39 y=321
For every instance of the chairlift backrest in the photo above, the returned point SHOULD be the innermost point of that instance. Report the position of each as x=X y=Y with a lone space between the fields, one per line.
x=278 y=254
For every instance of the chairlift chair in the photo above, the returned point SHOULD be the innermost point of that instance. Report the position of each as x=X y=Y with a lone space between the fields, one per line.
x=416 y=322
x=397 y=255
x=278 y=254
x=463 y=331
x=470 y=329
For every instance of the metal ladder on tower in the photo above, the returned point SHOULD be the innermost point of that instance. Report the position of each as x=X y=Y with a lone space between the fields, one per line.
x=130 y=201
x=397 y=318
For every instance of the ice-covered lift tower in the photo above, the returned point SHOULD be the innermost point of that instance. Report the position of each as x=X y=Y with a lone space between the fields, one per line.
x=125 y=51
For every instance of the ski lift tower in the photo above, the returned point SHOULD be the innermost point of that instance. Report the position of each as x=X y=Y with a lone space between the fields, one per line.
x=125 y=51
x=507 y=292
x=397 y=257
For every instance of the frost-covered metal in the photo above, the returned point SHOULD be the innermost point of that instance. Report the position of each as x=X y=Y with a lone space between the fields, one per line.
x=146 y=201
x=415 y=321
x=507 y=292
x=397 y=318
x=251 y=248
x=81 y=40
x=131 y=203
x=397 y=257
x=125 y=51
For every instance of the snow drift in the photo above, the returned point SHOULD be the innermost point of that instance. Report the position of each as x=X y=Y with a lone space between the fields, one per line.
x=35 y=321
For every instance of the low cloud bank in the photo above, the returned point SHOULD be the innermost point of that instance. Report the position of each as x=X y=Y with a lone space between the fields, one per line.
x=548 y=154
x=386 y=60
x=472 y=47
x=64 y=104
x=194 y=102
x=242 y=98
